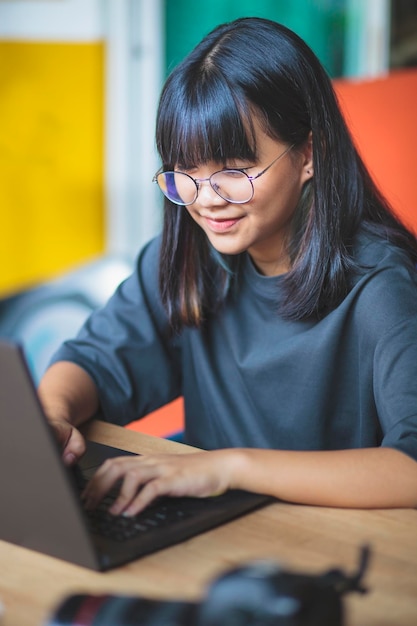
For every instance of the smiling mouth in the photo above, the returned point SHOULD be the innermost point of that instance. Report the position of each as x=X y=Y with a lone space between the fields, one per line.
x=221 y=225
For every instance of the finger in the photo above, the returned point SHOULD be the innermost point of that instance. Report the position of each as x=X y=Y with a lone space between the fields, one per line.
x=149 y=492
x=172 y=477
x=70 y=440
x=75 y=447
x=102 y=481
x=62 y=431
x=132 y=483
x=105 y=479
x=140 y=472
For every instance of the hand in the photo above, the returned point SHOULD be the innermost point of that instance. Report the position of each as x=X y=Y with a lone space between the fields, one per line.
x=71 y=440
x=145 y=478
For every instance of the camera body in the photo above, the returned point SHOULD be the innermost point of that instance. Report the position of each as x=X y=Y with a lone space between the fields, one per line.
x=263 y=594
x=260 y=593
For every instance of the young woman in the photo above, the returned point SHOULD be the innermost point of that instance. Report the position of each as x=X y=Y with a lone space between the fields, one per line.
x=286 y=313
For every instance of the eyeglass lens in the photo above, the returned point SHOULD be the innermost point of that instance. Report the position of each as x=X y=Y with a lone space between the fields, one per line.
x=231 y=185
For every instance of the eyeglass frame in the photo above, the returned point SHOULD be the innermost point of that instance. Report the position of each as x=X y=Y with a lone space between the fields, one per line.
x=197 y=181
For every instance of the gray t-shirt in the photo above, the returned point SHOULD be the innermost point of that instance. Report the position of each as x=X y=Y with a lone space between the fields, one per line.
x=250 y=378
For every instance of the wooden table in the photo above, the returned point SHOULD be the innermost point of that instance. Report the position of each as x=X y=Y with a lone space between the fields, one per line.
x=302 y=538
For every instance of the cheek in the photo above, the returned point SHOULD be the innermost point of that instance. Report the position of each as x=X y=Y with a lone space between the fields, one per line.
x=282 y=198
x=191 y=212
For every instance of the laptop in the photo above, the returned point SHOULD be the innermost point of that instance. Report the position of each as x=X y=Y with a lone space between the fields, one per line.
x=40 y=504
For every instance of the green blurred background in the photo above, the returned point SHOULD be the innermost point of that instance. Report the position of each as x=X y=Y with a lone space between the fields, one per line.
x=321 y=23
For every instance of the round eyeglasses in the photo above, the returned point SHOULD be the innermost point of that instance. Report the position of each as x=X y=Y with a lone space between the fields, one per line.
x=233 y=185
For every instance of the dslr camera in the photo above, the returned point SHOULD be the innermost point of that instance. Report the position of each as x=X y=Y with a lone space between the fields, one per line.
x=260 y=593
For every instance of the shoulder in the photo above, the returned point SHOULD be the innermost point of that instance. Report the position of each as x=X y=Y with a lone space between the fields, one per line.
x=148 y=257
x=145 y=270
x=141 y=287
x=371 y=252
x=148 y=279
x=384 y=286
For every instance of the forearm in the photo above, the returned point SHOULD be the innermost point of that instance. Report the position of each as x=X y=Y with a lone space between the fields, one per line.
x=363 y=478
x=369 y=478
x=68 y=393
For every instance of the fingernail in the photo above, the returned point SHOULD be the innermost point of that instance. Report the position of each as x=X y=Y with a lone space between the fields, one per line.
x=114 y=510
x=69 y=458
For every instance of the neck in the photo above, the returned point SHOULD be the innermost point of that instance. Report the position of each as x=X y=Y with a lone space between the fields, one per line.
x=275 y=267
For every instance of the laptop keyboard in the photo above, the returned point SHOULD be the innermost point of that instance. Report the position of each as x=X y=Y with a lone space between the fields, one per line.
x=120 y=528
x=163 y=512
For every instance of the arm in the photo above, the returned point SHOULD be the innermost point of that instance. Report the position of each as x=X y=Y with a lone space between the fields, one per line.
x=361 y=478
x=69 y=398
x=364 y=478
x=119 y=347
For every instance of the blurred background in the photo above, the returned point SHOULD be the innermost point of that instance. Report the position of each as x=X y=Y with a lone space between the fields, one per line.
x=79 y=85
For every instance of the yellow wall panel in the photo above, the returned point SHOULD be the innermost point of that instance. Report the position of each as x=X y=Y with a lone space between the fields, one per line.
x=51 y=159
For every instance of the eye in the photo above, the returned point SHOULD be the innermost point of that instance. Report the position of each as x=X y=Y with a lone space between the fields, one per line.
x=234 y=173
x=239 y=167
x=186 y=168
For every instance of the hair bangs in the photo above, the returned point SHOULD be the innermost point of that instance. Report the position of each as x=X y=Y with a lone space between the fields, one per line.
x=203 y=122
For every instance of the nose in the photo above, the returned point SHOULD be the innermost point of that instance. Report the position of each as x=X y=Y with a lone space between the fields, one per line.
x=207 y=196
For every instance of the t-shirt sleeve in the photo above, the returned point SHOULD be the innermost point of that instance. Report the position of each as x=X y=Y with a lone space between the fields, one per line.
x=126 y=347
x=391 y=324
x=395 y=385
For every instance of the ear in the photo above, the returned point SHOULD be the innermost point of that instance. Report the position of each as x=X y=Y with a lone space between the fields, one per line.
x=307 y=159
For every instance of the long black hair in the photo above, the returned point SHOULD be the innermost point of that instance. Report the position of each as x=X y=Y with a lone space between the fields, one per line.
x=254 y=66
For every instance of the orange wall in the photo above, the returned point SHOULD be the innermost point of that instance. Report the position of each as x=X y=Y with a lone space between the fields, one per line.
x=382 y=116
x=169 y=420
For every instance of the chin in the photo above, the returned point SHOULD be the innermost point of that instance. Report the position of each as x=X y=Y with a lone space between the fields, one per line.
x=227 y=250
x=225 y=247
